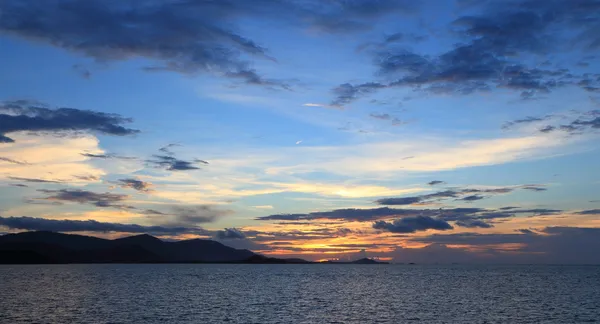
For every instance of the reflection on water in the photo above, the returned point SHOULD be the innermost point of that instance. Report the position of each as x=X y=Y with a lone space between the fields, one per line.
x=299 y=294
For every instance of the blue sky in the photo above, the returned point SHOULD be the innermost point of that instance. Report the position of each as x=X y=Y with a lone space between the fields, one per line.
x=198 y=116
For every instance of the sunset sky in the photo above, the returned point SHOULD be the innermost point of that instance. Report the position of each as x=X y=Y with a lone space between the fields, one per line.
x=425 y=131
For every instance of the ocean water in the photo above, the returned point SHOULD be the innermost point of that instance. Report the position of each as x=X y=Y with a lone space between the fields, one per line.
x=181 y=293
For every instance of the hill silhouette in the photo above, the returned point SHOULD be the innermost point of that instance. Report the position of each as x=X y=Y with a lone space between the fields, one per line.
x=51 y=247
x=44 y=247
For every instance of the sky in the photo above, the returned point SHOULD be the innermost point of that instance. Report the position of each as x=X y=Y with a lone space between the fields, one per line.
x=411 y=131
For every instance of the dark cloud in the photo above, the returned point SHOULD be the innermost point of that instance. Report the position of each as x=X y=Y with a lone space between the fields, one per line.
x=347 y=93
x=534 y=188
x=412 y=224
x=472 y=198
x=395 y=121
x=353 y=15
x=167 y=148
x=13 y=161
x=173 y=164
x=21 y=115
x=33 y=180
x=558 y=245
x=182 y=36
x=42 y=224
x=566 y=245
x=135 y=184
x=87 y=177
x=471 y=223
x=585 y=122
x=187 y=37
x=381 y=116
x=589 y=212
x=547 y=129
x=461 y=194
x=344 y=214
x=105 y=199
x=435 y=182
x=526 y=120
x=491 y=52
x=230 y=234
x=186 y=215
x=18 y=185
x=525 y=231
x=466 y=217
x=365 y=215
x=107 y=156
x=399 y=201
x=152 y=212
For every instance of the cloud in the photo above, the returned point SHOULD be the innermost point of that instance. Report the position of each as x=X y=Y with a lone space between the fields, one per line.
x=50 y=159
x=466 y=194
x=85 y=197
x=395 y=121
x=230 y=234
x=355 y=15
x=186 y=215
x=552 y=245
x=534 y=188
x=589 y=212
x=9 y=160
x=26 y=116
x=491 y=52
x=364 y=215
x=184 y=37
x=188 y=37
x=588 y=121
x=472 y=223
x=347 y=93
x=399 y=201
x=472 y=198
x=107 y=156
x=173 y=164
x=384 y=158
x=167 y=148
x=197 y=214
x=32 y=180
x=42 y=224
x=526 y=120
x=435 y=182
x=381 y=116
x=412 y=224
x=136 y=184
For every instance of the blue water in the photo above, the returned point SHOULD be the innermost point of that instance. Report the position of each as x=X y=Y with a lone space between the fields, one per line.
x=299 y=294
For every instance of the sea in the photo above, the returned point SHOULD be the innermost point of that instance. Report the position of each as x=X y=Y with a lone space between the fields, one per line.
x=318 y=293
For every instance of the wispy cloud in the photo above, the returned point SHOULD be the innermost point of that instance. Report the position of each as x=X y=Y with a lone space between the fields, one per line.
x=105 y=199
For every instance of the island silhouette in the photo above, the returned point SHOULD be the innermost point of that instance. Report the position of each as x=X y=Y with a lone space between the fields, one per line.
x=44 y=247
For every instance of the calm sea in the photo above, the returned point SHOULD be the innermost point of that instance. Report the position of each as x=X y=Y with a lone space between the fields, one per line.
x=299 y=294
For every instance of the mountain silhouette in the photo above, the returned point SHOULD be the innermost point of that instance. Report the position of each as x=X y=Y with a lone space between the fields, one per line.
x=44 y=247
x=51 y=247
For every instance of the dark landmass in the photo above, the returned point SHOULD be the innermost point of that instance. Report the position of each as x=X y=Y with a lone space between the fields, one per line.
x=360 y=261
x=44 y=247
x=51 y=247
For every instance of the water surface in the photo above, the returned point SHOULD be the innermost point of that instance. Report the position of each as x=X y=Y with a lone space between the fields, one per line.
x=182 y=293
